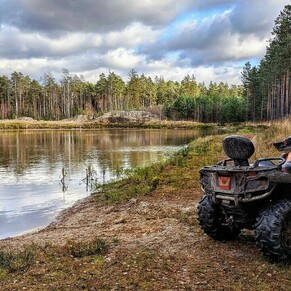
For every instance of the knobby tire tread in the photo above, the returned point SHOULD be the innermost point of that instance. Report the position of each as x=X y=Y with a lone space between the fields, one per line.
x=268 y=231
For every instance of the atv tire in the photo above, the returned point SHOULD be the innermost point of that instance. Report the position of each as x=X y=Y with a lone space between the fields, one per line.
x=273 y=231
x=212 y=221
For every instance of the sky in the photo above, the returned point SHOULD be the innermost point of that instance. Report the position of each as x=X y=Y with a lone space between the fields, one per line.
x=210 y=39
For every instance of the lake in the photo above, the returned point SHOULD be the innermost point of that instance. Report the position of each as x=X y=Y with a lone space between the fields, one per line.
x=45 y=171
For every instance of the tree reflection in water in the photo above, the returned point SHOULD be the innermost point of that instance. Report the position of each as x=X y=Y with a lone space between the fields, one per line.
x=43 y=172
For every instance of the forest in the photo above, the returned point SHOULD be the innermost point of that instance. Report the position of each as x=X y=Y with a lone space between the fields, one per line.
x=50 y=100
x=264 y=95
x=267 y=88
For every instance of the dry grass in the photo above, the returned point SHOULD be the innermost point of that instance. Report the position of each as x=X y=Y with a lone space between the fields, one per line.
x=266 y=134
x=91 y=124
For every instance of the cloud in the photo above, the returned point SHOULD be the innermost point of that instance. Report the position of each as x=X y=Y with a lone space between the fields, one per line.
x=211 y=38
x=236 y=34
x=211 y=4
x=25 y=44
x=17 y=44
x=54 y=16
x=255 y=17
x=131 y=36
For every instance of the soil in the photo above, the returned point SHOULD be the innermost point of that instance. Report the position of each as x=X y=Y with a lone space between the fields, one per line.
x=160 y=247
x=147 y=220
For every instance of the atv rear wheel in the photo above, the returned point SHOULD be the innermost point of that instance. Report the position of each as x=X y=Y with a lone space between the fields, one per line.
x=213 y=222
x=273 y=231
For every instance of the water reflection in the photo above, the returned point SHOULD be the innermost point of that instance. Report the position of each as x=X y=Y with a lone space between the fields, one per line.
x=43 y=172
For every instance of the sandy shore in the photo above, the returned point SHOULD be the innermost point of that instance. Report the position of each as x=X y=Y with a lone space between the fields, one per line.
x=133 y=221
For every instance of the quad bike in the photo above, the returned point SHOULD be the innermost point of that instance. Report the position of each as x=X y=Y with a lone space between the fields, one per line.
x=238 y=195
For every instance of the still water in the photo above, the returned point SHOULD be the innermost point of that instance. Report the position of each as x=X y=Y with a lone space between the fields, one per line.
x=44 y=172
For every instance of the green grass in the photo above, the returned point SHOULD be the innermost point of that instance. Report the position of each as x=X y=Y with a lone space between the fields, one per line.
x=12 y=261
x=139 y=182
x=143 y=180
x=30 y=256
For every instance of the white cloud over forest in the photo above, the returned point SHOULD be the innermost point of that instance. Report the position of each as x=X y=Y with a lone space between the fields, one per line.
x=211 y=39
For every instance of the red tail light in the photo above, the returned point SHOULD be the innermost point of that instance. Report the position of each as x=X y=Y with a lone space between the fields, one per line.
x=224 y=182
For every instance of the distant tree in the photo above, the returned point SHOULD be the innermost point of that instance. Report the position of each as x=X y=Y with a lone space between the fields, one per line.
x=17 y=89
x=251 y=82
x=134 y=91
x=267 y=87
x=5 y=98
x=189 y=87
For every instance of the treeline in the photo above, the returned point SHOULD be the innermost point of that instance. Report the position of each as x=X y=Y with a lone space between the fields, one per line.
x=264 y=95
x=268 y=85
x=72 y=95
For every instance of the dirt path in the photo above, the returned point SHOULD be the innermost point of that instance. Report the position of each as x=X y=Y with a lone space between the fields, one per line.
x=146 y=221
x=160 y=243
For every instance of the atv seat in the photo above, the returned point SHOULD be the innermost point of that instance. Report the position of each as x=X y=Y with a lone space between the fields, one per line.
x=239 y=149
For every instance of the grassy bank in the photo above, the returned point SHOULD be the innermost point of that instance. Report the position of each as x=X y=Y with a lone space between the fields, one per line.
x=15 y=124
x=182 y=169
x=175 y=255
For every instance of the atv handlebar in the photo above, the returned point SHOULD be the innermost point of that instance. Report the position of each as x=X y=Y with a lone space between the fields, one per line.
x=268 y=162
x=263 y=162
